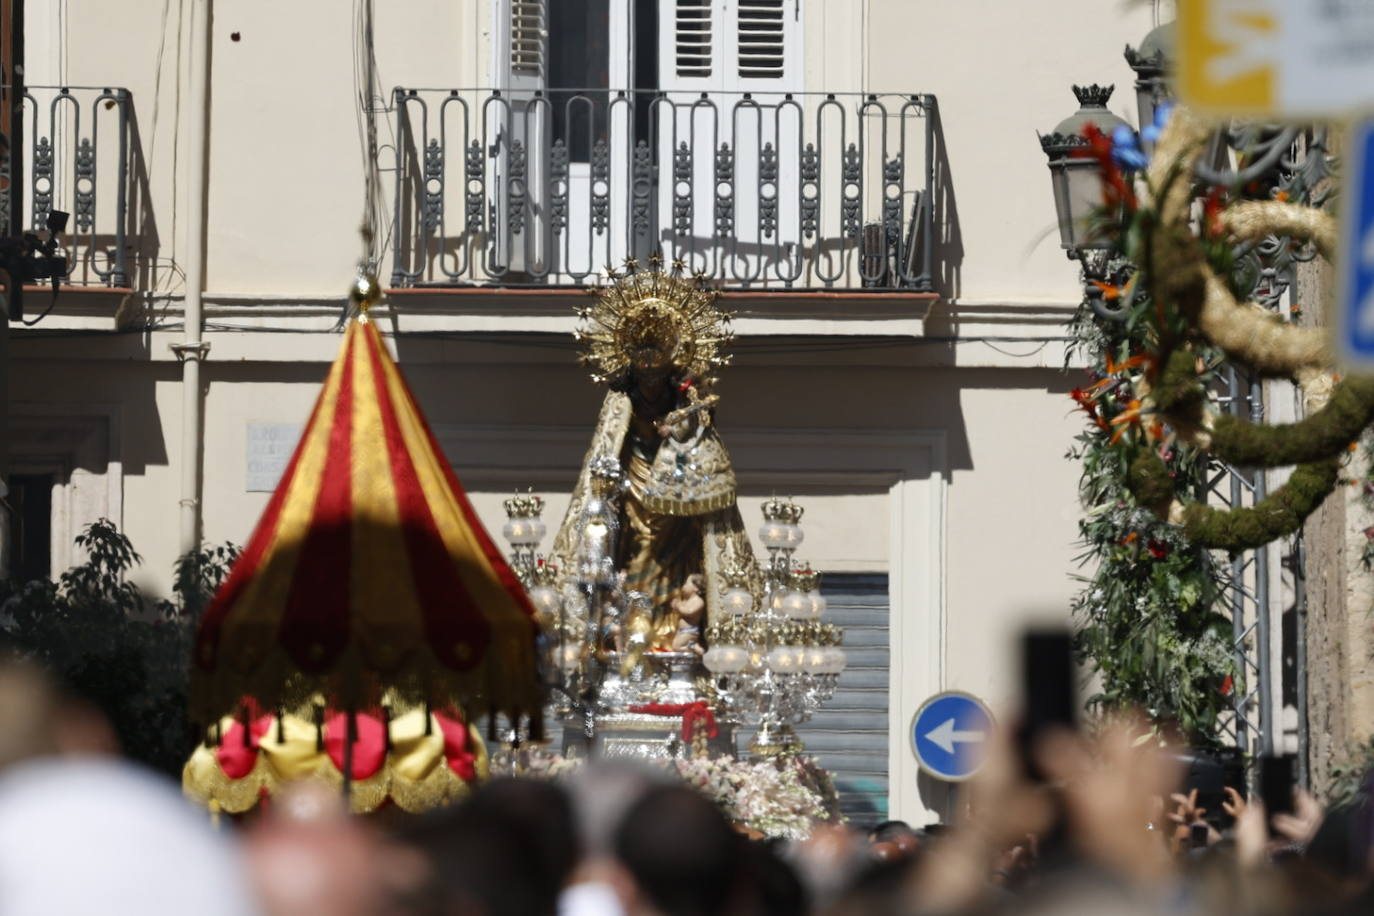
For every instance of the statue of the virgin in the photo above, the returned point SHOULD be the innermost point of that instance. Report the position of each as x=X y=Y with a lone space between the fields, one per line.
x=655 y=340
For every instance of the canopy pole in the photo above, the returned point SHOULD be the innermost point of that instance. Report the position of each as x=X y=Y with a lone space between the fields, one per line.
x=350 y=734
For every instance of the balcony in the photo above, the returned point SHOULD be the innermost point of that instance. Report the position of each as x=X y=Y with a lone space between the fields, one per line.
x=791 y=193
x=77 y=153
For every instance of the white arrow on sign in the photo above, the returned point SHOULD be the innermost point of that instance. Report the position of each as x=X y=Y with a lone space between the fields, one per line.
x=945 y=736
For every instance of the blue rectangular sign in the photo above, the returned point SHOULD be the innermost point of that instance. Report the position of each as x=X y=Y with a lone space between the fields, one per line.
x=1354 y=314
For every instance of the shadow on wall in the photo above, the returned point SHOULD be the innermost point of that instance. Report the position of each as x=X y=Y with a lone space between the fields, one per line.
x=948 y=242
x=144 y=241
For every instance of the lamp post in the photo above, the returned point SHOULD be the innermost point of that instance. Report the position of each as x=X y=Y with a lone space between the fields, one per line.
x=1152 y=63
x=1078 y=186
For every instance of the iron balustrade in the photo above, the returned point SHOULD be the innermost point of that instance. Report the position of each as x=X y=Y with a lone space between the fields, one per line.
x=756 y=191
x=67 y=167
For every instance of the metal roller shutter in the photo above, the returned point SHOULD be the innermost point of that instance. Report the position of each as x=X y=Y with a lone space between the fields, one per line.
x=848 y=735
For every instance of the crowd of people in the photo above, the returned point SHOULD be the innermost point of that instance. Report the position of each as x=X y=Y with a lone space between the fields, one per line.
x=1106 y=826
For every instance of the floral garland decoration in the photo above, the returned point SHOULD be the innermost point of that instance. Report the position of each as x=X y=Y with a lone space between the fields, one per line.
x=1167 y=321
x=1197 y=312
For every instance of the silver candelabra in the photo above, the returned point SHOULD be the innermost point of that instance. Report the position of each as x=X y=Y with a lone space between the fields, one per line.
x=775 y=665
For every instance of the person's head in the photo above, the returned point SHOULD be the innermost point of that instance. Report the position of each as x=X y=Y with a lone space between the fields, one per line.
x=39 y=719
x=487 y=857
x=695 y=585
x=307 y=856
x=601 y=792
x=28 y=710
x=544 y=815
x=681 y=853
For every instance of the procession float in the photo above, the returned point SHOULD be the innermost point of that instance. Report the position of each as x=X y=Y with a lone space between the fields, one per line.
x=371 y=621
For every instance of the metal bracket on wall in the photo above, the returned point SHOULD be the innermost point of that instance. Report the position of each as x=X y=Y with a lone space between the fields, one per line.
x=192 y=350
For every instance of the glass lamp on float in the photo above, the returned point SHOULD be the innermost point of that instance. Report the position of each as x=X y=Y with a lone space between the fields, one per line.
x=525 y=530
x=775 y=666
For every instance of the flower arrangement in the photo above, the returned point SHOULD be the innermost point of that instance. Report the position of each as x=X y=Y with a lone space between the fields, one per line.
x=1157 y=341
x=783 y=797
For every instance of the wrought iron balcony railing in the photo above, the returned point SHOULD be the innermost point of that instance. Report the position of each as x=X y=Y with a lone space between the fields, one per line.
x=76 y=149
x=757 y=191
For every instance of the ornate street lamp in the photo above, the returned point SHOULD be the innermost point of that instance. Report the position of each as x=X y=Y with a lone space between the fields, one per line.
x=1076 y=179
x=1078 y=185
x=1152 y=63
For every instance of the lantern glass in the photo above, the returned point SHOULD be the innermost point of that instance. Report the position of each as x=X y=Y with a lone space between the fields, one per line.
x=545 y=599
x=737 y=602
x=773 y=534
x=818 y=605
x=783 y=660
x=725 y=659
x=796 y=605
x=524 y=531
x=1077 y=197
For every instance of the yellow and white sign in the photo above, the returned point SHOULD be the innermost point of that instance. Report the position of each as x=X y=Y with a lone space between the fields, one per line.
x=1291 y=58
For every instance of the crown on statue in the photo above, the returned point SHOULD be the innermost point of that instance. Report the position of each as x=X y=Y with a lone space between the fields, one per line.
x=781 y=510
x=524 y=505
x=652 y=319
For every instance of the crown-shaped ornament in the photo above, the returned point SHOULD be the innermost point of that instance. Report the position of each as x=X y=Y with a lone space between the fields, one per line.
x=806 y=579
x=605 y=474
x=524 y=505
x=781 y=510
x=653 y=320
x=543 y=573
x=1093 y=96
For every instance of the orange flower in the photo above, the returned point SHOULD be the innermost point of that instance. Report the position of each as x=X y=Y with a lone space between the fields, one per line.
x=1109 y=291
x=1125 y=420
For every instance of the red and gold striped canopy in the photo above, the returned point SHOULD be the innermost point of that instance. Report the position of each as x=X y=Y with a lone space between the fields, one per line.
x=368 y=570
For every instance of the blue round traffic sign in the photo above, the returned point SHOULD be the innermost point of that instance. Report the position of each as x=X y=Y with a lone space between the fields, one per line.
x=949 y=733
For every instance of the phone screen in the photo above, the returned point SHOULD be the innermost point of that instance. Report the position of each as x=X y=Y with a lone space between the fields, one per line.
x=1276 y=784
x=1047 y=673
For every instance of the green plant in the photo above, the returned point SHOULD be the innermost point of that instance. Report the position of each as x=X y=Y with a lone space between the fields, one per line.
x=114 y=646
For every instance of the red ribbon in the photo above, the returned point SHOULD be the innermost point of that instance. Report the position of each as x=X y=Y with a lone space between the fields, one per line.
x=693 y=714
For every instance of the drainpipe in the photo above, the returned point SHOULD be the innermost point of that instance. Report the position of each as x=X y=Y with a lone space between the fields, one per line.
x=192 y=348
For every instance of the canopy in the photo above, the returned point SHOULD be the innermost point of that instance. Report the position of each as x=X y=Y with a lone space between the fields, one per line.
x=369 y=571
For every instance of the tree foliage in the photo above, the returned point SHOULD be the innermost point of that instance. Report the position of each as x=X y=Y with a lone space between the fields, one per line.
x=116 y=647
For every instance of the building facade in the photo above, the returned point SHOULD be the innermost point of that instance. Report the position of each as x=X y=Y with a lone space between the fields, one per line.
x=860 y=176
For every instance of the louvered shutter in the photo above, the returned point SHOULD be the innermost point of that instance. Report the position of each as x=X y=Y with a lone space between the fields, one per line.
x=693 y=44
x=527 y=28
x=761 y=40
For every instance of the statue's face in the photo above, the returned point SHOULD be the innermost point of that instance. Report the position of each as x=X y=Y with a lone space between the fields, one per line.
x=652 y=359
x=652 y=337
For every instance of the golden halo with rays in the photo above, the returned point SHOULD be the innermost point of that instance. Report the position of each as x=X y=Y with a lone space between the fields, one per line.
x=649 y=318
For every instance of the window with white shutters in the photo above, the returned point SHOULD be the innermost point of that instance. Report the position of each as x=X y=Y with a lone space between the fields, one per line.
x=761 y=39
x=692 y=42
x=527 y=34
